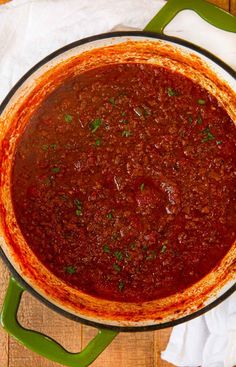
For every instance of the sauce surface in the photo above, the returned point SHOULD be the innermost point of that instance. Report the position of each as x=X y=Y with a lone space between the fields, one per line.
x=123 y=182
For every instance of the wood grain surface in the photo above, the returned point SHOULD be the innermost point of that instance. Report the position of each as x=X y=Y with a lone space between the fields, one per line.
x=127 y=350
x=232 y=7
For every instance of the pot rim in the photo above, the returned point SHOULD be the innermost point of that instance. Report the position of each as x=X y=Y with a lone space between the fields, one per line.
x=4 y=103
x=101 y=36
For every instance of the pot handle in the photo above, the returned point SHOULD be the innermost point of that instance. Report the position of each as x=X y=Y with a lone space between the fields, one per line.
x=209 y=12
x=44 y=345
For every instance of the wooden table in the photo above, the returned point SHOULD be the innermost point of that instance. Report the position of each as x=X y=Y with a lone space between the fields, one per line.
x=127 y=350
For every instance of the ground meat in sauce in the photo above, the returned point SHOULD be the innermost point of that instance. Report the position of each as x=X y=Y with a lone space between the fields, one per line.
x=123 y=182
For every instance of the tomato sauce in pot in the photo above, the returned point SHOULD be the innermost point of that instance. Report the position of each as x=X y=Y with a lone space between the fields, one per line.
x=123 y=182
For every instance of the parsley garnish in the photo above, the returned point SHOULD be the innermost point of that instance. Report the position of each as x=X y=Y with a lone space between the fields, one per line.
x=70 y=269
x=116 y=267
x=118 y=254
x=207 y=135
x=55 y=169
x=68 y=118
x=121 y=285
x=164 y=247
x=126 y=133
x=78 y=204
x=142 y=187
x=106 y=249
x=98 y=142
x=110 y=215
x=219 y=142
x=199 y=119
x=201 y=101
x=95 y=124
x=171 y=92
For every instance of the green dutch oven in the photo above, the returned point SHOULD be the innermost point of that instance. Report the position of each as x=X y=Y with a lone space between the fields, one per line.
x=151 y=316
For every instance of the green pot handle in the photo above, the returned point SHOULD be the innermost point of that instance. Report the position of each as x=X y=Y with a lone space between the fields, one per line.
x=209 y=12
x=44 y=345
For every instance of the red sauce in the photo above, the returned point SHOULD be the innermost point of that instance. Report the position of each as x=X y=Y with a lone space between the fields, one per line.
x=123 y=182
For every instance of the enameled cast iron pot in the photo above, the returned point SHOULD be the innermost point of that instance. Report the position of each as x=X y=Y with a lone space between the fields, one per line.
x=27 y=272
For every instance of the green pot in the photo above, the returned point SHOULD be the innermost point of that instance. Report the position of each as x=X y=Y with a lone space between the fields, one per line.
x=107 y=331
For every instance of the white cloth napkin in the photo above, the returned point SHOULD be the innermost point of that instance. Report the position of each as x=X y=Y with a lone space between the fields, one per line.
x=207 y=341
x=31 y=29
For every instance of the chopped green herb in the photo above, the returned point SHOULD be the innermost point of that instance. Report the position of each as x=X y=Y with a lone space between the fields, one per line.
x=219 y=142
x=201 y=101
x=121 y=285
x=123 y=113
x=164 y=247
x=68 y=118
x=106 y=249
x=118 y=254
x=98 y=142
x=142 y=187
x=190 y=119
x=171 y=92
x=55 y=169
x=145 y=248
x=95 y=124
x=116 y=267
x=132 y=246
x=126 y=133
x=112 y=101
x=199 y=119
x=207 y=135
x=78 y=204
x=110 y=215
x=53 y=146
x=70 y=269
